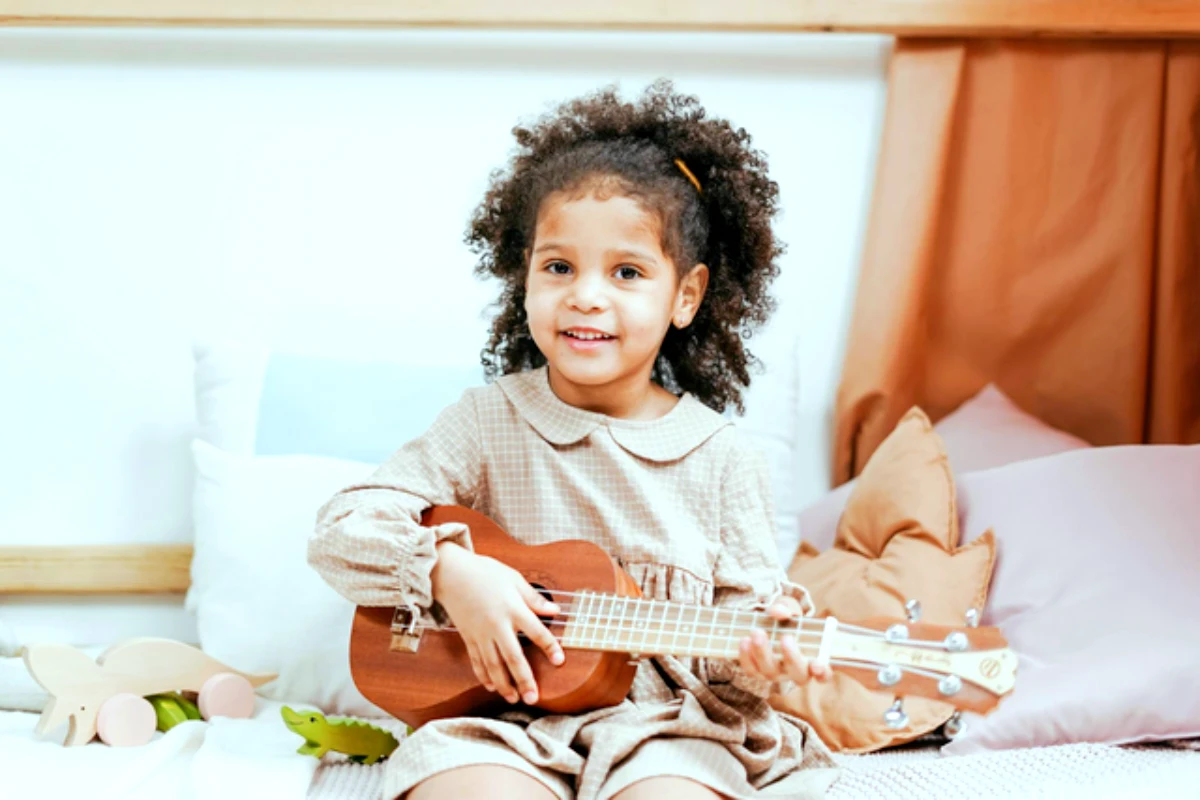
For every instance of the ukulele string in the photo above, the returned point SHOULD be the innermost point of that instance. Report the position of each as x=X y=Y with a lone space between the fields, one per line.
x=808 y=650
x=639 y=602
x=805 y=648
x=615 y=624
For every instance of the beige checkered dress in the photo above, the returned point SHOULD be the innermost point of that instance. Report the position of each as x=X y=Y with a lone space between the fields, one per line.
x=685 y=508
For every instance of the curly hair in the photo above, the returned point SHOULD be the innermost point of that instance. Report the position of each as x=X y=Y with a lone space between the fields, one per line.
x=598 y=142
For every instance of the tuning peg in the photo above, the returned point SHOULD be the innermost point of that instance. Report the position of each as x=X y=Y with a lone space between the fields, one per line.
x=889 y=675
x=955 y=726
x=895 y=717
x=972 y=616
x=956 y=641
x=913 y=609
x=950 y=684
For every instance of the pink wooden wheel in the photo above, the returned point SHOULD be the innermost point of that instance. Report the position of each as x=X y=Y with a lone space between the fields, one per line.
x=126 y=720
x=226 y=695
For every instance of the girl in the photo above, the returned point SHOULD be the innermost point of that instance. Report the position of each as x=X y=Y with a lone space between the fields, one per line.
x=634 y=246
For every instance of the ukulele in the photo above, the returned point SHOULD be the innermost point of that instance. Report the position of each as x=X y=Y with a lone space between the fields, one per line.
x=418 y=673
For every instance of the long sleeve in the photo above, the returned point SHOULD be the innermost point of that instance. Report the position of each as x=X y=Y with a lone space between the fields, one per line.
x=368 y=543
x=747 y=574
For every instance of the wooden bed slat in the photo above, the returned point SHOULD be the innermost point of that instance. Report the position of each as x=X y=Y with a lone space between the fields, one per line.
x=1013 y=18
x=117 y=569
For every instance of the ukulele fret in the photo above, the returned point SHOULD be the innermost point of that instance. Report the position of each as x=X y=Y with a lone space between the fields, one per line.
x=616 y=642
x=605 y=608
x=663 y=626
x=585 y=615
x=692 y=633
x=637 y=636
x=633 y=625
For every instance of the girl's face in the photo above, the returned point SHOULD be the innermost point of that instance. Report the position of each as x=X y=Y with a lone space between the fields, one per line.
x=600 y=297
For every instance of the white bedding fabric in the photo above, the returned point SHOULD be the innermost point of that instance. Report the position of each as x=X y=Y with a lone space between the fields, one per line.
x=227 y=759
x=219 y=760
x=1092 y=771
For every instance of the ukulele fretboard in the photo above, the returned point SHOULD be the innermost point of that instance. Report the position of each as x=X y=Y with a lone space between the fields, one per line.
x=657 y=627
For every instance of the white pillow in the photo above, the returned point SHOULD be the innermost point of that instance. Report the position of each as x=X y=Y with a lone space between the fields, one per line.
x=772 y=425
x=228 y=383
x=18 y=690
x=259 y=606
x=253 y=400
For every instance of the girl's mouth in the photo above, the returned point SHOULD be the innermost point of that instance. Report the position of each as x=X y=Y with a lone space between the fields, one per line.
x=586 y=340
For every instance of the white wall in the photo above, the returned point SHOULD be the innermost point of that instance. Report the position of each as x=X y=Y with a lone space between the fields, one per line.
x=310 y=190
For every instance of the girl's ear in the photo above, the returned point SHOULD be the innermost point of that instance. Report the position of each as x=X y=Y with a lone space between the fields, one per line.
x=690 y=295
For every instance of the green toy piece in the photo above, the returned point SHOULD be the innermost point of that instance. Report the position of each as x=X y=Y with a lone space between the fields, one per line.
x=362 y=742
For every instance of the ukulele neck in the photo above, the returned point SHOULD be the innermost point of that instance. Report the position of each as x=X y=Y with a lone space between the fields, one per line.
x=656 y=627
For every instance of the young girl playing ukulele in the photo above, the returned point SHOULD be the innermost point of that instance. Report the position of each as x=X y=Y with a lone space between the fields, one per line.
x=634 y=245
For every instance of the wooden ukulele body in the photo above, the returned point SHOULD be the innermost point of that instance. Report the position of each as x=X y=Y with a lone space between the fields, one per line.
x=435 y=680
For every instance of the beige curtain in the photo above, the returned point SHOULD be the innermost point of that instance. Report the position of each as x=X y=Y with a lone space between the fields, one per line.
x=1036 y=223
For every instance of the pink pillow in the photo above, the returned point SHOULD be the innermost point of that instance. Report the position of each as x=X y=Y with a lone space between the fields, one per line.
x=989 y=430
x=1096 y=589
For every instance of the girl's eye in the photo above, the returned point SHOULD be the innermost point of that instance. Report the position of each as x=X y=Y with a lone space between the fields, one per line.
x=558 y=268
x=628 y=273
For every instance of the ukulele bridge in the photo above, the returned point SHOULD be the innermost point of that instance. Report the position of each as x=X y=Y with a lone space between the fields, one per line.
x=405 y=635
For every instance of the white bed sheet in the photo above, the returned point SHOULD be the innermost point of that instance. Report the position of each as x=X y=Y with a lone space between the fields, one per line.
x=227 y=759
x=220 y=760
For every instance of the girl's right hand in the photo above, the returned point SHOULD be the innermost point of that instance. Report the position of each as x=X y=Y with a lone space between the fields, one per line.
x=489 y=603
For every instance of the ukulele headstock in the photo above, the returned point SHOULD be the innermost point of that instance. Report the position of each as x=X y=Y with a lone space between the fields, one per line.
x=968 y=667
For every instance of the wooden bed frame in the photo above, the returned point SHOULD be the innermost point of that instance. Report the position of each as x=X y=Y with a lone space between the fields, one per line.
x=164 y=569
x=1080 y=18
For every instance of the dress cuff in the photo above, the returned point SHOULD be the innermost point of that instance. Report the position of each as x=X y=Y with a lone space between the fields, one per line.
x=794 y=591
x=418 y=554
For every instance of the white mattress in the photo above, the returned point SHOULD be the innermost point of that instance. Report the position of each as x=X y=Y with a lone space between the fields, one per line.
x=256 y=758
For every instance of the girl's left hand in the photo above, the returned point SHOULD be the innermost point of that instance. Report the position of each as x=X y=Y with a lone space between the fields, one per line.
x=758 y=658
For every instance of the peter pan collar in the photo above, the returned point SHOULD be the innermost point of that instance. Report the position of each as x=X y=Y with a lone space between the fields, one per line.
x=669 y=438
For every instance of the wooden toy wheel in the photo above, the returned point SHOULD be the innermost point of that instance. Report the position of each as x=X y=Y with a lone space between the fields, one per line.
x=226 y=695
x=126 y=720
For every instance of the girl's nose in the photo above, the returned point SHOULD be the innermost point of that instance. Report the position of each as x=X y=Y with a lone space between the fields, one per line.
x=587 y=292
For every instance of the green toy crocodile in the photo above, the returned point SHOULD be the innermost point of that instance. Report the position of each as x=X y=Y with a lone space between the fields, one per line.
x=362 y=742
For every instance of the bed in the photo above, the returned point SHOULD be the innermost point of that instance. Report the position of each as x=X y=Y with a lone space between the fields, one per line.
x=257 y=756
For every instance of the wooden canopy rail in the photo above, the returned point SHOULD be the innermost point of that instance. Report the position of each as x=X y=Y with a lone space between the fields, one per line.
x=959 y=18
x=166 y=568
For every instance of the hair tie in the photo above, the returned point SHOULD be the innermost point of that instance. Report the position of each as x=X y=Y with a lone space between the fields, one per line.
x=687 y=173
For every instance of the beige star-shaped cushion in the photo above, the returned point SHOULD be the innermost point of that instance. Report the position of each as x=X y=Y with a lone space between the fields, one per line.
x=897 y=540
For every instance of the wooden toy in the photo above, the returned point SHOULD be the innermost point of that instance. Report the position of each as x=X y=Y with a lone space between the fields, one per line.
x=125 y=675
x=170 y=709
x=126 y=720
